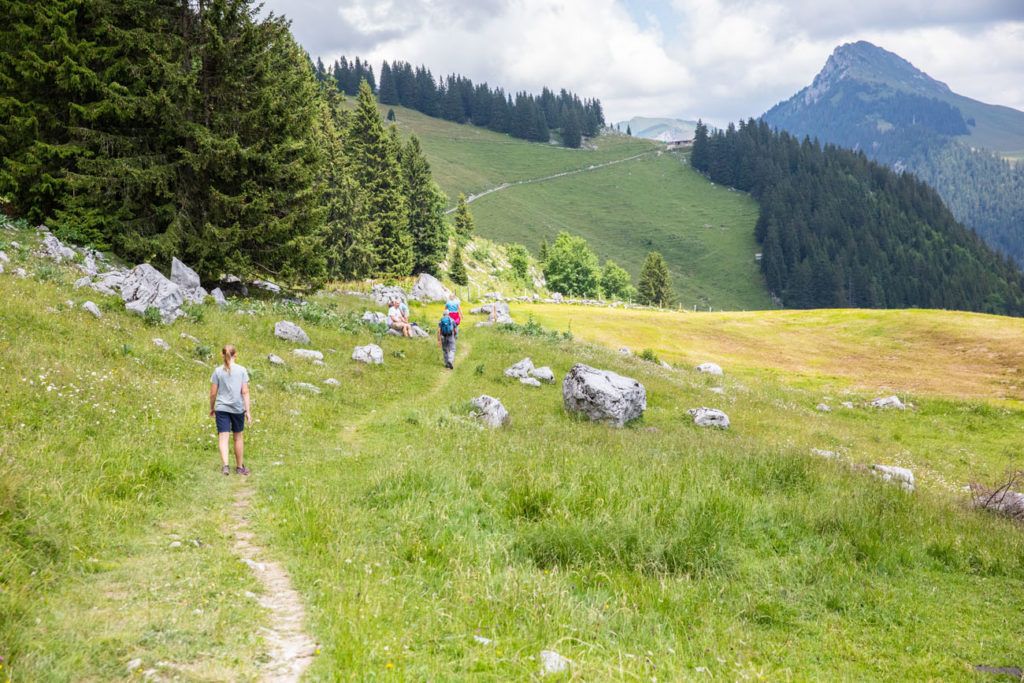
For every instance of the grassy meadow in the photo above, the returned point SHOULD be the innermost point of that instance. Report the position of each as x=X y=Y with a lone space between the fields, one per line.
x=659 y=551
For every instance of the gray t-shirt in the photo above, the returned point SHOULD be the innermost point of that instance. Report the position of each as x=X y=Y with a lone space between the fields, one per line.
x=229 y=388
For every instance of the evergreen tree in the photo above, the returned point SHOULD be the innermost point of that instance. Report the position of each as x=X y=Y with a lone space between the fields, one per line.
x=615 y=282
x=373 y=156
x=426 y=209
x=463 y=220
x=457 y=269
x=629 y=131
x=543 y=252
x=391 y=115
x=700 y=155
x=388 y=89
x=655 y=288
x=571 y=136
x=571 y=267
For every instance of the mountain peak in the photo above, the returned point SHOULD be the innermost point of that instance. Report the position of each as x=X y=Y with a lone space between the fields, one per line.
x=868 y=63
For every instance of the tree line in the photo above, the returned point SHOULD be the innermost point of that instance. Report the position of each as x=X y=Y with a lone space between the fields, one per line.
x=160 y=128
x=839 y=230
x=456 y=98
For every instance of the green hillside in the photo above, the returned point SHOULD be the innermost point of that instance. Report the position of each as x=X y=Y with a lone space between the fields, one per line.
x=425 y=547
x=651 y=203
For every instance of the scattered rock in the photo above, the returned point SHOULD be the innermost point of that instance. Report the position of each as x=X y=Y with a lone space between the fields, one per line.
x=266 y=286
x=553 y=663
x=371 y=354
x=625 y=351
x=69 y=304
x=307 y=387
x=1014 y=672
x=823 y=408
x=847 y=404
x=603 y=395
x=375 y=318
x=108 y=283
x=145 y=287
x=664 y=365
x=831 y=455
x=175 y=544
x=499 y=310
x=161 y=344
x=483 y=641
x=490 y=411
x=1001 y=500
x=888 y=402
x=429 y=288
x=308 y=354
x=544 y=374
x=218 y=297
x=4 y=258
x=382 y=295
x=92 y=308
x=520 y=369
x=331 y=382
x=529 y=381
x=418 y=331
x=188 y=337
x=317 y=361
x=289 y=331
x=21 y=272
x=52 y=248
x=557 y=297
x=709 y=417
x=897 y=475
x=183 y=276
x=275 y=359
x=710 y=369
x=133 y=664
x=88 y=264
x=717 y=390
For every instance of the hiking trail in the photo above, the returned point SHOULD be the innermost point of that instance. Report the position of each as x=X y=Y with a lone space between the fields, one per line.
x=289 y=647
x=529 y=181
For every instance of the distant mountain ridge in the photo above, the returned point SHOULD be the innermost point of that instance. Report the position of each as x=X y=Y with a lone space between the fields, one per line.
x=867 y=98
x=660 y=129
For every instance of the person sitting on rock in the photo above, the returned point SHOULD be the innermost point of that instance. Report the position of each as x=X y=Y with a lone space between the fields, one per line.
x=446 y=330
x=229 y=405
x=452 y=307
x=397 y=320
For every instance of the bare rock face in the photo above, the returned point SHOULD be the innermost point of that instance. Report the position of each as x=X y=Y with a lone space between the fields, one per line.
x=146 y=287
x=709 y=417
x=370 y=354
x=289 y=331
x=429 y=288
x=889 y=403
x=710 y=369
x=490 y=411
x=897 y=475
x=603 y=396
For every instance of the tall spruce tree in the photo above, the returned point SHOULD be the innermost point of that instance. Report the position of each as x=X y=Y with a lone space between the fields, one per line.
x=426 y=203
x=457 y=269
x=373 y=158
x=462 y=222
x=571 y=136
x=655 y=286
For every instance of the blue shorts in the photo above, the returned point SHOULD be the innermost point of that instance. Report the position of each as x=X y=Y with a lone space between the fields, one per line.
x=229 y=422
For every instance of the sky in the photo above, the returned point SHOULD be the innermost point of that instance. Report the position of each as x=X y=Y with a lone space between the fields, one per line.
x=721 y=60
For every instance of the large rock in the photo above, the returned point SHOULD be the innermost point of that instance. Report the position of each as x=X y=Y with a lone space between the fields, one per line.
x=888 y=402
x=490 y=411
x=371 y=354
x=710 y=369
x=53 y=248
x=146 y=287
x=520 y=369
x=897 y=475
x=603 y=395
x=218 y=297
x=183 y=276
x=308 y=354
x=382 y=295
x=375 y=318
x=709 y=417
x=429 y=288
x=108 y=283
x=289 y=331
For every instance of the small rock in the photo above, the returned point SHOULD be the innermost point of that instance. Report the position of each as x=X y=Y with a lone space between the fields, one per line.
x=717 y=390
x=4 y=258
x=897 y=475
x=371 y=354
x=189 y=337
x=490 y=411
x=308 y=354
x=710 y=369
x=317 y=361
x=21 y=272
x=482 y=640
x=831 y=455
x=161 y=344
x=275 y=359
x=92 y=308
x=382 y=295
x=847 y=404
x=218 y=297
x=520 y=369
x=307 y=387
x=552 y=663
x=709 y=417
x=823 y=408
x=888 y=402
x=544 y=374
x=664 y=365
x=330 y=381
x=529 y=381
x=175 y=544
x=69 y=304
x=289 y=331
x=133 y=664
x=625 y=351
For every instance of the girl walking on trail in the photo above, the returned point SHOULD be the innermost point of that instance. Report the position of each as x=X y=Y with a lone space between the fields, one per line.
x=229 y=405
x=453 y=306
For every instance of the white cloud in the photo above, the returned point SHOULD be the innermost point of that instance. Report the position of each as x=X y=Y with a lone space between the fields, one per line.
x=720 y=59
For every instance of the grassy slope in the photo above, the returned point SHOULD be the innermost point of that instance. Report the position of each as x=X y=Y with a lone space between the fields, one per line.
x=653 y=203
x=641 y=552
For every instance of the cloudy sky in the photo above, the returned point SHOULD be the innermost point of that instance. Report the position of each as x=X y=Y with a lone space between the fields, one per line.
x=717 y=59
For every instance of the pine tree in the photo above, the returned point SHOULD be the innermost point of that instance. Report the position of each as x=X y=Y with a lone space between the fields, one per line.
x=571 y=135
x=375 y=168
x=543 y=252
x=655 y=288
x=391 y=115
x=463 y=220
x=426 y=203
x=388 y=90
x=457 y=269
x=700 y=156
x=629 y=131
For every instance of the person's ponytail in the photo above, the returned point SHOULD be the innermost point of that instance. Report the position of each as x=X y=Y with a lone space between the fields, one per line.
x=229 y=353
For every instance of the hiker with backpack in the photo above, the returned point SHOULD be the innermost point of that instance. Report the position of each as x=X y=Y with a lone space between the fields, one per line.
x=229 y=405
x=446 y=331
x=452 y=306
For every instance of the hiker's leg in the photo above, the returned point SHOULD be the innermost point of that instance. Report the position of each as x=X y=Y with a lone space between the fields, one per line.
x=222 y=443
x=239 y=449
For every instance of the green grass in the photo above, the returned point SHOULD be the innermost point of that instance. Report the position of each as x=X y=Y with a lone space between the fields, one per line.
x=654 y=203
x=643 y=552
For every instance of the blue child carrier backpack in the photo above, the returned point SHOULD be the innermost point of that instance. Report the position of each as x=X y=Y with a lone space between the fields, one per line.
x=447 y=324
